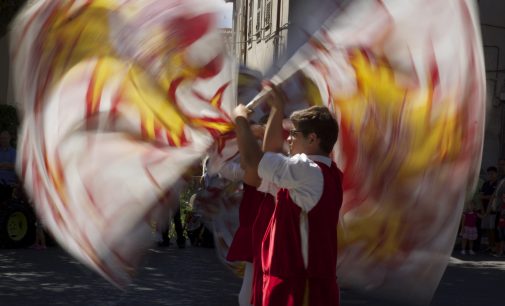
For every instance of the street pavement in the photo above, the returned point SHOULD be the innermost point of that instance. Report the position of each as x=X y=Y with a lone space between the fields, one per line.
x=195 y=276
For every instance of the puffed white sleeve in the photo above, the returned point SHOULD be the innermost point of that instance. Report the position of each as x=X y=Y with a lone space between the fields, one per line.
x=300 y=175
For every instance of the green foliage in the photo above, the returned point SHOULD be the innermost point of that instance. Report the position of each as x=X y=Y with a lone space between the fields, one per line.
x=190 y=190
x=184 y=198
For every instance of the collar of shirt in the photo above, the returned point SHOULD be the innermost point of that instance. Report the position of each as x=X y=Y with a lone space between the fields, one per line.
x=321 y=158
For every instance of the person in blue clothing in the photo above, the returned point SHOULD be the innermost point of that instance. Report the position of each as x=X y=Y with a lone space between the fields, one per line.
x=7 y=163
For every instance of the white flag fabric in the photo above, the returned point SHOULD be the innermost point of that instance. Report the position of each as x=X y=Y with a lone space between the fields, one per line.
x=118 y=98
x=410 y=100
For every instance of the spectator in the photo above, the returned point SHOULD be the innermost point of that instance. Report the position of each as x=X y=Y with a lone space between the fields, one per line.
x=501 y=169
x=496 y=199
x=40 y=237
x=475 y=201
x=179 y=231
x=163 y=228
x=193 y=224
x=501 y=228
x=7 y=159
x=469 y=229
x=489 y=220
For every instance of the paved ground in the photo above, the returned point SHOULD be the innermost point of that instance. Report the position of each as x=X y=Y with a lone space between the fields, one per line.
x=194 y=276
x=169 y=276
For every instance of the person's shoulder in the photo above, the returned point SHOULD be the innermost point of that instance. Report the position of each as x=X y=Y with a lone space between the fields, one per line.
x=303 y=159
x=300 y=157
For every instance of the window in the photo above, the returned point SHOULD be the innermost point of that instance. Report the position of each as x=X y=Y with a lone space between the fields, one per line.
x=250 y=23
x=258 y=20
x=267 y=24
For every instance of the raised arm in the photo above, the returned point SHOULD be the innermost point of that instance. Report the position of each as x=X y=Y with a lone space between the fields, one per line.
x=274 y=140
x=250 y=151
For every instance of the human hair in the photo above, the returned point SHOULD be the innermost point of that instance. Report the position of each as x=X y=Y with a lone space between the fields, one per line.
x=492 y=169
x=318 y=120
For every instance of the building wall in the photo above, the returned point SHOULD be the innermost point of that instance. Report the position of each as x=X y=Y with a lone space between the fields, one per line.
x=492 y=15
x=260 y=51
x=5 y=91
x=262 y=46
x=276 y=32
x=262 y=25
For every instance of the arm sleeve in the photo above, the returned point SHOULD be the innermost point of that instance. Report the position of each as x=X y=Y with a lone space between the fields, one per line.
x=301 y=176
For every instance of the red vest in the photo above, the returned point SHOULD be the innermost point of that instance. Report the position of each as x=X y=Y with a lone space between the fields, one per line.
x=259 y=228
x=285 y=276
x=241 y=246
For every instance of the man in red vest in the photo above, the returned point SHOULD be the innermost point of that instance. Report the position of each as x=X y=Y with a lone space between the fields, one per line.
x=299 y=249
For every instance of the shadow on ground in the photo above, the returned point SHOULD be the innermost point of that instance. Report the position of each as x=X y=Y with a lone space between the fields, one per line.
x=194 y=276
x=168 y=277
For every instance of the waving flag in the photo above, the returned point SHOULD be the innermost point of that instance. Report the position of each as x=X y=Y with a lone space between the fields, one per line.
x=218 y=204
x=410 y=99
x=118 y=99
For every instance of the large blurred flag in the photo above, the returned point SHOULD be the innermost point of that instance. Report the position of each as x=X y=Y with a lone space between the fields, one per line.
x=118 y=98
x=406 y=81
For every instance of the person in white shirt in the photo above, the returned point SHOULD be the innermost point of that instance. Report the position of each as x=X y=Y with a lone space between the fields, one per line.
x=299 y=249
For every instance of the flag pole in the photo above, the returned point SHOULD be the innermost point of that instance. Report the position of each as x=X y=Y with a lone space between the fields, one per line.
x=268 y=88
x=259 y=99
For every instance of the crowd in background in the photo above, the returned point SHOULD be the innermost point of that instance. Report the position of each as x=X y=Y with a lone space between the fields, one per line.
x=483 y=221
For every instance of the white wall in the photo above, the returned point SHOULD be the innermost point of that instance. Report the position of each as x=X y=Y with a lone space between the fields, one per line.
x=262 y=51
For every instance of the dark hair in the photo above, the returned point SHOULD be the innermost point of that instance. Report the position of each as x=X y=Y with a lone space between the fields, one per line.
x=318 y=120
x=492 y=169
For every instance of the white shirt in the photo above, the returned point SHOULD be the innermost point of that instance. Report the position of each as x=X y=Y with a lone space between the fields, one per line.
x=304 y=180
x=231 y=171
x=299 y=174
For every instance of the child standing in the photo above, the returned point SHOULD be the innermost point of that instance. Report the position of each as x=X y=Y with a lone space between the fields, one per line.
x=501 y=229
x=469 y=229
x=40 y=237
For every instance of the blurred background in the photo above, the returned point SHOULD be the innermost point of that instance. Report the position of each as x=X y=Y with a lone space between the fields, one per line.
x=260 y=31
